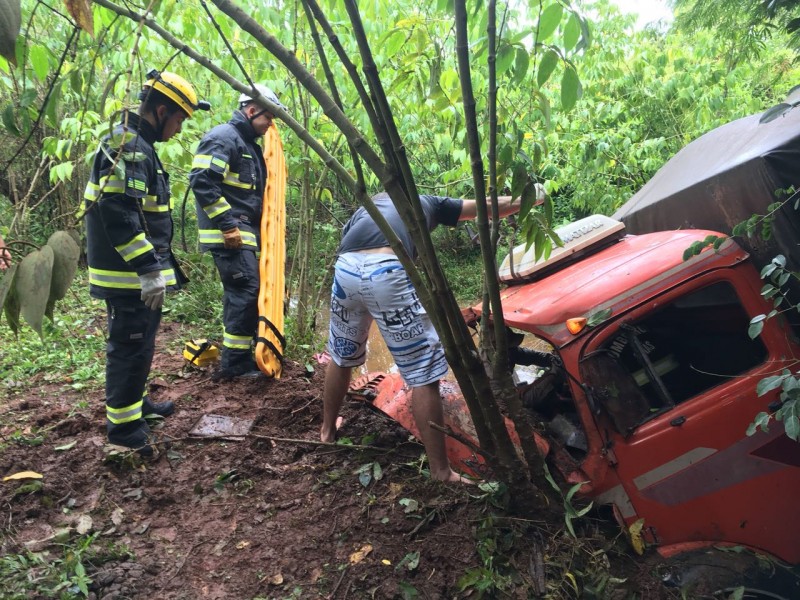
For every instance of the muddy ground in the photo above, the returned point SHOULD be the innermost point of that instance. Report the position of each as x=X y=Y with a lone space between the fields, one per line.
x=276 y=515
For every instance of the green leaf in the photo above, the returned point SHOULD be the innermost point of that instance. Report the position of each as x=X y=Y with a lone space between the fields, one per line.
x=39 y=62
x=28 y=488
x=568 y=520
x=33 y=286
x=65 y=263
x=792 y=424
x=528 y=198
x=572 y=32
x=599 y=317
x=51 y=108
x=570 y=88
x=505 y=58
x=693 y=250
x=762 y=420
x=521 y=63
x=539 y=242
x=27 y=98
x=756 y=326
x=572 y=491
x=410 y=561
x=548 y=214
x=365 y=477
x=546 y=67
x=551 y=17
x=519 y=177
x=20 y=49
x=410 y=505
x=585 y=509
x=408 y=591
x=9 y=119
x=393 y=42
x=769 y=383
x=76 y=81
x=738 y=593
x=505 y=154
x=544 y=106
x=586 y=35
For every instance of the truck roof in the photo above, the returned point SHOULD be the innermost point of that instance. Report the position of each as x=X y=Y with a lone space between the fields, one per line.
x=618 y=277
x=723 y=178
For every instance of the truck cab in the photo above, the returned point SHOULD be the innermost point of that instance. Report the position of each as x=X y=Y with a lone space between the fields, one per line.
x=664 y=388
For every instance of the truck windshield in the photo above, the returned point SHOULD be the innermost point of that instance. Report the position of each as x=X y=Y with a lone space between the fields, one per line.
x=671 y=355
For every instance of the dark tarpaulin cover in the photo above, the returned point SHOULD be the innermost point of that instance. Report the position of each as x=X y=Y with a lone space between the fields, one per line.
x=723 y=178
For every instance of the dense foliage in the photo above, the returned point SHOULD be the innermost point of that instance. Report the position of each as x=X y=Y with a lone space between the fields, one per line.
x=641 y=96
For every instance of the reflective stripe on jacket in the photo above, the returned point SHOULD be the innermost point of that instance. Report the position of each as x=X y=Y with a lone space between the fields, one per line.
x=228 y=179
x=126 y=206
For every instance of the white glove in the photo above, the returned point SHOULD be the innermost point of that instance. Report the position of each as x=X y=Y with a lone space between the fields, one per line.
x=154 y=286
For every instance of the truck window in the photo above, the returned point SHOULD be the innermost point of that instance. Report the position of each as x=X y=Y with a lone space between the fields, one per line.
x=676 y=352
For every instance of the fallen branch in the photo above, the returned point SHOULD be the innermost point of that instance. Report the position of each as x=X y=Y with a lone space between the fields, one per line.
x=448 y=431
x=338 y=583
x=536 y=568
x=312 y=442
x=168 y=441
x=306 y=405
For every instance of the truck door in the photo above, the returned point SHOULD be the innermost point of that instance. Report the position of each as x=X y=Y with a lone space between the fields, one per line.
x=675 y=381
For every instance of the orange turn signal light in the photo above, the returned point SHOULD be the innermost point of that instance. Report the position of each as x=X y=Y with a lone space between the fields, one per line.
x=576 y=325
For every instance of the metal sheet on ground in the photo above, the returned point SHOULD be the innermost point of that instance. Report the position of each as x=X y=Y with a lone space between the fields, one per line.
x=220 y=426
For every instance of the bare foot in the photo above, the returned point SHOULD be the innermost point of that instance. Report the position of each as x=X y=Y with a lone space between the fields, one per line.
x=326 y=435
x=453 y=477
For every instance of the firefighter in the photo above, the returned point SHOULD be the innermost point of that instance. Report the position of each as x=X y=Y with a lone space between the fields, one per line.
x=228 y=178
x=129 y=230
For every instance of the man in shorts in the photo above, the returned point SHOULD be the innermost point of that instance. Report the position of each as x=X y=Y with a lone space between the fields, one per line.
x=369 y=284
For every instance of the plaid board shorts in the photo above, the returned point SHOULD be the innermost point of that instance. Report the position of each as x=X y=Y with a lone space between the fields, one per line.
x=367 y=287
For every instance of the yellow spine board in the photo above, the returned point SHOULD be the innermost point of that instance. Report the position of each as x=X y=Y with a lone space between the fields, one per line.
x=270 y=342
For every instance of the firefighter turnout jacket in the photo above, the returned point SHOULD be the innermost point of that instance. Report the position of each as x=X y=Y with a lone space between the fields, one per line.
x=228 y=179
x=128 y=214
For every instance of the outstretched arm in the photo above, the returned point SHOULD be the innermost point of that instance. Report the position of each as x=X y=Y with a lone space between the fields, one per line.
x=505 y=205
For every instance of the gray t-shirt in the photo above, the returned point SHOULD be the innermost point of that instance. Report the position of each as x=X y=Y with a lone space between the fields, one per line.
x=361 y=232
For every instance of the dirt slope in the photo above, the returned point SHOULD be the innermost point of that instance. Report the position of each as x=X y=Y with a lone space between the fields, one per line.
x=268 y=516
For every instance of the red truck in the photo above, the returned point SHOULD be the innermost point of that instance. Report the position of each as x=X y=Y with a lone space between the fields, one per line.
x=652 y=379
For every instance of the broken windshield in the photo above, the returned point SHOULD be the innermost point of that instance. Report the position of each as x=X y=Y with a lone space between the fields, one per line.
x=671 y=355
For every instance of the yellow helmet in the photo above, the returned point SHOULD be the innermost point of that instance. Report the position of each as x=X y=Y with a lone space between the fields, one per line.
x=177 y=89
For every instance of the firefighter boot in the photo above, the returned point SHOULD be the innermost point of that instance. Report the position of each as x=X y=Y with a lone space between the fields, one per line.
x=135 y=435
x=162 y=409
x=242 y=369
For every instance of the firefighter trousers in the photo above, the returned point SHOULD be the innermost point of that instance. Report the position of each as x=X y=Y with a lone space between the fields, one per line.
x=132 y=329
x=238 y=270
